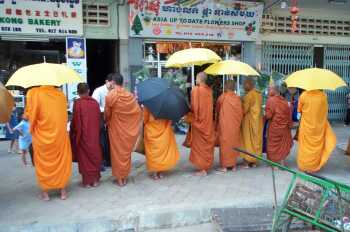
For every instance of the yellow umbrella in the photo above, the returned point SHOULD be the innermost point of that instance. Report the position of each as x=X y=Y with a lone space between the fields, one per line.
x=43 y=74
x=192 y=56
x=231 y=67
x=315 y=78
x=6 y=104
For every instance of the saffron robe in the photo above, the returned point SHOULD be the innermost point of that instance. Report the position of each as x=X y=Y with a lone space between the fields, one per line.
x=202 y=127
x=279 y=135
x=85 y=138
x=123 y=119
x=316 y=137
x=47 y=113
x=160 y=144
x=229 y=118
x=252 y=125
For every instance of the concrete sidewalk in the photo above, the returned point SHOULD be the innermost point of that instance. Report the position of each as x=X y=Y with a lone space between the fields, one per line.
x=178 y=200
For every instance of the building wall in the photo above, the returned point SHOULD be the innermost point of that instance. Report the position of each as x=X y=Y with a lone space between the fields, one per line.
x=317 y=9
x=104 y=32
x=313 y=8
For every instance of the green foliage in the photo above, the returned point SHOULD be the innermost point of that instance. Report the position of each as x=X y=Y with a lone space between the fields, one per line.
x=142 y=74
x=263 y=82
x=176 y=78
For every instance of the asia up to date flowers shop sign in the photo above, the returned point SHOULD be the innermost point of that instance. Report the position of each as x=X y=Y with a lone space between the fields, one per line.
x=195 y=19
x=41 y=17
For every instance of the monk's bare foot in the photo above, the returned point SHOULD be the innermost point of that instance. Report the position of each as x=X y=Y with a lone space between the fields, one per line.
x=252 y=165
x=95 y=184
x=224 y=170
x=64 y=194
x=201 y=173
x=119 y=182
x=284 y=163
x=160 y=175
x=234 y=169
x=125 y=181
x=81 y=185
x=155 y=176
x=44 y=196
x=246 y=166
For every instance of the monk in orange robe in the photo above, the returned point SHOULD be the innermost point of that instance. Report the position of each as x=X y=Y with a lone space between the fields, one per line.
x=202 y=126
x=47 y=113
x=229 y=117
x=252 y=123
x=160 y=145
x=123 y=118
x=316 y=138
x=279 y=116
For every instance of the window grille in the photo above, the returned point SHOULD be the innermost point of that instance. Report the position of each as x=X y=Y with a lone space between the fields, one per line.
x=306 y=26
x=96 y=14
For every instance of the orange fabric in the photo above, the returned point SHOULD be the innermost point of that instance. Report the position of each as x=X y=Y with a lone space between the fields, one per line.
x=252 y=125
x=160 y=144
x=123 y=118
x=316 y=137
x=47 y=113
x=202 y=127
x=279 y=136
x=229 y=110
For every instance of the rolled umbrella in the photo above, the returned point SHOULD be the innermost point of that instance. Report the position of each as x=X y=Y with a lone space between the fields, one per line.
x=6 y=104
x=162 y=100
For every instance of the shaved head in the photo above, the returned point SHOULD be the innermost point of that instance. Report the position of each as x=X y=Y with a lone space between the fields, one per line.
x=249 y=84
x=201 y=78
x=274 y=90
x=278 y=89
x=230 y=85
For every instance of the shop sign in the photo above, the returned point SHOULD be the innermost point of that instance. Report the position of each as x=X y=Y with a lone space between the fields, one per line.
x=76 y=59
x=195 y=19
x=41 y=17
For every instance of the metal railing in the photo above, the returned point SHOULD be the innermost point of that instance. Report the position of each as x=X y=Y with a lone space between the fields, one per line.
x=313 y=199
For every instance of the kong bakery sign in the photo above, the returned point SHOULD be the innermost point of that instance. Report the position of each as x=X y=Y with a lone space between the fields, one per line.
x=195 y=19
x=41 y=17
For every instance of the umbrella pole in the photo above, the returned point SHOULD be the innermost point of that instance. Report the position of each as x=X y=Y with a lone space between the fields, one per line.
x=192 y=75
x=223 y=83
x=238 y=89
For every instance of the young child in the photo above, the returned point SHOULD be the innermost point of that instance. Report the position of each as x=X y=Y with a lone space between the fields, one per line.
x=11 y=134
x=25 y=138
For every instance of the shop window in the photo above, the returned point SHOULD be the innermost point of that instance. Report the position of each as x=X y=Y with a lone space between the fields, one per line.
x=96 y=14
x=156 y=53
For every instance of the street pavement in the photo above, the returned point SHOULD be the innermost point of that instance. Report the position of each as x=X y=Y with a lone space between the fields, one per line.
x=181 y=199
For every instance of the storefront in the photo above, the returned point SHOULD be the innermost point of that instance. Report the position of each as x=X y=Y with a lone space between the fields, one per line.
x=33 y=32
x=159 y=28
x=321 y=39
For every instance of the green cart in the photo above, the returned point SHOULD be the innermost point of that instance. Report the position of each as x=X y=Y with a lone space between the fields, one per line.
x=315 y=200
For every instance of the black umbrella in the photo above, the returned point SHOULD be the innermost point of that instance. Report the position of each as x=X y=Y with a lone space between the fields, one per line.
x=163 y=100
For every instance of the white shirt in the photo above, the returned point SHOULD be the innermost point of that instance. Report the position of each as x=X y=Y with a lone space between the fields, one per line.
x=99 y=95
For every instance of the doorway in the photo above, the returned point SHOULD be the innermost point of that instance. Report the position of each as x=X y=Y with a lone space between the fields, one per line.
x=318 y=56
x=101 y=60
